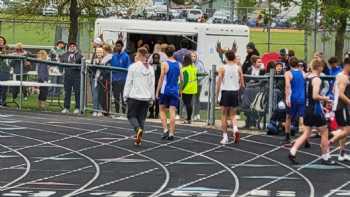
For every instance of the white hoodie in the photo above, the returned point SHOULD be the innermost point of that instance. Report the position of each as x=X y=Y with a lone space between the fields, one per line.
x=140 y=82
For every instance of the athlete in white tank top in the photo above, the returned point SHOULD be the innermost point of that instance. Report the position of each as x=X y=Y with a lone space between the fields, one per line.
x=231 y=78
x=336 y=91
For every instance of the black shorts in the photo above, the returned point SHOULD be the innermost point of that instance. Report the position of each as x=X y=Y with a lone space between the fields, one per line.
x=229 y=99
x=314 y=120
x=343 y=117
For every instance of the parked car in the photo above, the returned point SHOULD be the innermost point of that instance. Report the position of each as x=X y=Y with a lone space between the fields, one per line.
x=50 y=10
x=222 y=17
x=194 y=14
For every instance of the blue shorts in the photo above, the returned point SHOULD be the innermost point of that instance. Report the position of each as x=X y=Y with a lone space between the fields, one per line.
x=297 y=110
x=168 y=101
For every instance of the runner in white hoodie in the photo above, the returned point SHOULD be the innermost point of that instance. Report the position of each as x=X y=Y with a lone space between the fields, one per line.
x=139 y=92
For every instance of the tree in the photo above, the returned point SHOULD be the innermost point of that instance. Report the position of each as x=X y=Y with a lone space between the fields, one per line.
x=335 y=14
x=75 y=8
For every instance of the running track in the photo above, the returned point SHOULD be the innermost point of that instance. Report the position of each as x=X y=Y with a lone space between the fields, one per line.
x=44 y=155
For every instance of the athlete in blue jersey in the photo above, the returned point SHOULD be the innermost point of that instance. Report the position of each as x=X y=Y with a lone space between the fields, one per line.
x=295 y=96
x=314 y=115
x=168 y=92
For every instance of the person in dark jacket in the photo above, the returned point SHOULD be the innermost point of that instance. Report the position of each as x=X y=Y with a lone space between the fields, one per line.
x=72 y=77
x=251 y=50
x=154 y=109
x=4 y=70
x=120 y=59
x=43 y=77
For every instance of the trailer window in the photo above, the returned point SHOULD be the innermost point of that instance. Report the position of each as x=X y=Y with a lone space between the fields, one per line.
x=133 y=40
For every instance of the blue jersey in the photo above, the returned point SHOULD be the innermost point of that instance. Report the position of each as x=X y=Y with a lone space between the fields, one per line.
x=171 y=81
x=297 y=86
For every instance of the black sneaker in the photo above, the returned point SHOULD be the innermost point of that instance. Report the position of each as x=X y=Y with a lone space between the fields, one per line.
x=165 y=135
x=170 y=138
x=307 y=144
x=328 y=162
x=292 y=159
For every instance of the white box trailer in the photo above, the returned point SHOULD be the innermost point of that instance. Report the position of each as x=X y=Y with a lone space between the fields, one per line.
x=203 y=37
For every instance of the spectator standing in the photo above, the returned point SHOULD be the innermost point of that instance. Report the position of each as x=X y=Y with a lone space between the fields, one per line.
x=202 y=70
x=120 y=59
x=96 y=82
x=334 y=70
x=43 y=77
x=189 y=85
x=106 y=78
x=97 y=43
x=251 y=50
x=156 y=64
x=16 y=66
x=4 y=70
x=284 y=59
x=55 y=55
x=72 y=77
x=139 y=92
x=180 y=54
x=257 y=68
x=57 y=51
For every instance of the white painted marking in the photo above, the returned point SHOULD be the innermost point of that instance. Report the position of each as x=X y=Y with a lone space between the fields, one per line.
x=20 y=191
x=193 y=163
x=8 y=156
x=337 y=189
x=343 y=193
x=268 y=177
x=5 y=115
x=43 y=194
x=195 y=193
x=58 y=158
x=121 y=194
x=9 y=121
x=254 y=165
x=119 y=160
x=52 y=183
x=286 y=193
x=55 y=123
x=13 y=128
x=5 y=136
x=10 y=194
x=260 y=193
x=321 y=167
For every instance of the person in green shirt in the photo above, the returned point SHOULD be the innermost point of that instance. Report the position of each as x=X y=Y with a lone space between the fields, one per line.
x=189 y=86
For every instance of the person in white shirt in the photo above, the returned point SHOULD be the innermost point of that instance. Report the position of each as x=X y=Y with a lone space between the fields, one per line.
x=139 y=92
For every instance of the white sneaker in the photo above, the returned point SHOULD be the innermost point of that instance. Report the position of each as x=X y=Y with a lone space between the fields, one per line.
x=177 y=117
x=76 y=111
x=64 y=111
x=94 y=114
x=224 y=141
x=99 y=114
x=345 y=157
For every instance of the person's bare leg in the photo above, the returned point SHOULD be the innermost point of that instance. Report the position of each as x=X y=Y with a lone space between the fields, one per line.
x=340 y=134
x=287 y=127
x=300 y=140
x=163 y=118
x=172 y=113
x=236 y=134
x=224 y=117
x=324 y=140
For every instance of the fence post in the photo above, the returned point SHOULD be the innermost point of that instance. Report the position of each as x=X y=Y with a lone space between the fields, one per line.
x=212 y=95
x=82 y=85
x=110 y=93
x=271 y=94
x=209 y=97
x=21 y=84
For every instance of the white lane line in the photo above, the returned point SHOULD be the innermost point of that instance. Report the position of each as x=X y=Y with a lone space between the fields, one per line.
x=288 y=174
x=234 y=175
x=337 y=189
x=27 y=169
x=87 y=167
x=96 y=166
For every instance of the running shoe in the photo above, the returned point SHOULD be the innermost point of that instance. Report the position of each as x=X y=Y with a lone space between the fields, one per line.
x=170 y=138
x=328 y=162
x=237 y=137
x=138 y=138
x=292 y=159
x=224 y=141
x=76 y=111
x=64 y=111
x=165 y=135
x=344 y=157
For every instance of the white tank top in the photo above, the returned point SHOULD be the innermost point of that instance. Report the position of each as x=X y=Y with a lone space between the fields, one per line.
x=231 y=78
x=337 y=102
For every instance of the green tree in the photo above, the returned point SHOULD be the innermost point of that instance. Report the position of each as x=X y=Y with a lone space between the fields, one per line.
x=75 y=8
x=335 y=14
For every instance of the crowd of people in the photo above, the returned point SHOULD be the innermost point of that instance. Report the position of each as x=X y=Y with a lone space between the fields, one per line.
x=156 y=81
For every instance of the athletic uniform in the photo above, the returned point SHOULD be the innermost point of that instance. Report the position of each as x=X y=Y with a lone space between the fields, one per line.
x=297 y=97
x=169 y=94
x=342 y=111
x=314 y=115
x=230 y=86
